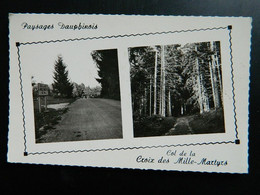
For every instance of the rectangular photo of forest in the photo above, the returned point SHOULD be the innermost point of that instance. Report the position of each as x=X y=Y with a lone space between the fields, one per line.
x=76 y=94
x=177 y=89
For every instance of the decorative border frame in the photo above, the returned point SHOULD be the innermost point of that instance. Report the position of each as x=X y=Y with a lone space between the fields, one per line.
x=236 y=141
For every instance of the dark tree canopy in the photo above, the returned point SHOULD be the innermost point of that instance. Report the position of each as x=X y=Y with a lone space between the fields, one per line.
x=107 y=64
x=61 y=84
x=175 y=79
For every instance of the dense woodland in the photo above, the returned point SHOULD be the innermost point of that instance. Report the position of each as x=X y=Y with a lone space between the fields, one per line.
x=175 y=80
x=107 y=64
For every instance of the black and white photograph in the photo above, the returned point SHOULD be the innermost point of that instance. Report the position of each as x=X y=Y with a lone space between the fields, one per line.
x=76 y=94
x=177 y=89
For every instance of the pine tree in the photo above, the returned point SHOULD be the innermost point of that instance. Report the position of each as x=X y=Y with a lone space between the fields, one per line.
x=61 y=85
x=175 y=79
x=162 y=81
x=155 y=83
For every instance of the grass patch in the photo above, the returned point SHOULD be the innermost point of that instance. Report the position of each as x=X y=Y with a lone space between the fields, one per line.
x=52 y=100
x=46 y=120
x=209 y=122
x=153 y=126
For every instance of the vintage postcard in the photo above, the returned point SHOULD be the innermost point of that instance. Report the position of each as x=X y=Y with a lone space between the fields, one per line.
x=126 y=91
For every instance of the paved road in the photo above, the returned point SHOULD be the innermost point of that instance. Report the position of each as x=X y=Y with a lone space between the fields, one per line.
x=88 y=119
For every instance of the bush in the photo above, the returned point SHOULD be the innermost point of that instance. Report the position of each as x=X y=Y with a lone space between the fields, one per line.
x=212 y=121
x=155 y=125
x=46 y=121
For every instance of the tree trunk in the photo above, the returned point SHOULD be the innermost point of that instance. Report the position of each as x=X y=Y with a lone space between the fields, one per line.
x=163 y=81
x=213 y=84
x=205 y=98
x=169 y=104
x=133 y=101
x=219 y=77
x=145 y=101
x=150 y=97
x=215 y=91
x=155 y=84
x=198 y=83
x=220 y=81
x=141 y=106
x=160 y=92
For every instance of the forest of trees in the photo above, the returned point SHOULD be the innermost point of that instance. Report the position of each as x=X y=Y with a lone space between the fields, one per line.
x=175 y=80
x=107 y=64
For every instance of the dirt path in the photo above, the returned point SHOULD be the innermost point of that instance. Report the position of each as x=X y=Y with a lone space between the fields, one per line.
x=88 y=119
x=181 y=127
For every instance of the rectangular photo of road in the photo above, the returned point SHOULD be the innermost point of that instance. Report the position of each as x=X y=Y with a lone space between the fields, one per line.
x=76 y=95
x=176 y=89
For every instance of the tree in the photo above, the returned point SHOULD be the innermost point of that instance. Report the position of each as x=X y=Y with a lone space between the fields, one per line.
x=143 y=61
x=78 y=90
x=107 y=64
x=162 y=98
x=34 y=87
x=61 y=84
x=182 y=79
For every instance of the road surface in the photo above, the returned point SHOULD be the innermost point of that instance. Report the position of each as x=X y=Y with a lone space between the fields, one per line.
x=181 y=127
x=88 y=119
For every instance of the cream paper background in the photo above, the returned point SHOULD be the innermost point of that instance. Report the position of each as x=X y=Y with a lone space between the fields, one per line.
x=125 y=156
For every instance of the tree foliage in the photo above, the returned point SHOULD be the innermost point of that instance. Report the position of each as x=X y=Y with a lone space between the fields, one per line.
x=80 y=90
x=107 y=64
x=61 y=84
x=183 y=79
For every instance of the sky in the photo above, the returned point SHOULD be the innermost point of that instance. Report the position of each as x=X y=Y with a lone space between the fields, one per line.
x=39 y=60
